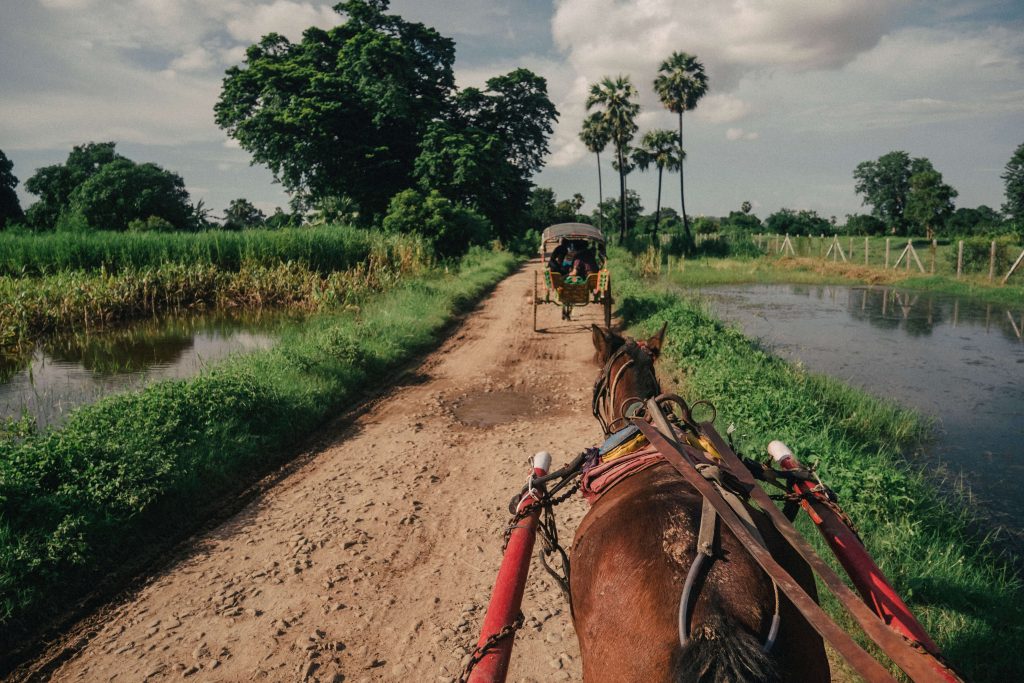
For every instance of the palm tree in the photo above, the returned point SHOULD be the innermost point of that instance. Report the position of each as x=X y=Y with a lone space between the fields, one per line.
x=618 y=113
x=681 y=82
x=596 y=137
x=661 y=148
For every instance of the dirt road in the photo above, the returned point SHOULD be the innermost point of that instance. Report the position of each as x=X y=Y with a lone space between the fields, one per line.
x=374 y=561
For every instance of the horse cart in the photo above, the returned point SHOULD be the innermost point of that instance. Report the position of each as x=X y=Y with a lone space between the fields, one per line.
x=671 y=499
x=560 y=285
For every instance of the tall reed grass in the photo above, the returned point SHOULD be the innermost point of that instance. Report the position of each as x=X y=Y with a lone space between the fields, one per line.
x=67 y=301
x=322 y=249
x=923 y=537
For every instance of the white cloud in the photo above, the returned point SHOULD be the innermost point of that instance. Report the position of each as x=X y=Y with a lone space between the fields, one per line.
x=195 y=59
x=740 y=134
x=722 y=108
x=281 y=16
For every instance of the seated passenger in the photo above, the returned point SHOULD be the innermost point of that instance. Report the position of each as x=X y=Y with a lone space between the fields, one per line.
x=585 y=263
x=563 y=257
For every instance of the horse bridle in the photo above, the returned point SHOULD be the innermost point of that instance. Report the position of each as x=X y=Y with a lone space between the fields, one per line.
x=607 y=382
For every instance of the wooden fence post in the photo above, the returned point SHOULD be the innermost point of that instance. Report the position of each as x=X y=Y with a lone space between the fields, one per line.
x=959 y=259
x=887 y=252
x=865 y=251
x=992 y=262
x=935 y=246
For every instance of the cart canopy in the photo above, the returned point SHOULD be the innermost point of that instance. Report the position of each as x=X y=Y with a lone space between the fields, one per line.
x=571 y=231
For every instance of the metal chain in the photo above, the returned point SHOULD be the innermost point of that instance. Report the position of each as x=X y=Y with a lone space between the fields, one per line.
x=481 y=651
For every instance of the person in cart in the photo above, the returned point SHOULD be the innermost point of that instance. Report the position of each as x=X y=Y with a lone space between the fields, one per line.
x=573 y=258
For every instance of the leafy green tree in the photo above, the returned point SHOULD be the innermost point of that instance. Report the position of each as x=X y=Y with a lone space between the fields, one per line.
x=746 y=207
x=863 y=224
x=282 y=219
x=122 y=191
x=151 y=224
x=1013 y=178
x=885 y=184
x=10 y=208
x=614 y=100
x=55 y=184
x=610 y=210
x=201 y=217
x=596 y=137
x=930 y=201
x=801 y=222
x=680 y=84
x=659 y=148
x=343 y=112
x=451 y=229
x=741 y=222
x=978 y=221
x=242 y=214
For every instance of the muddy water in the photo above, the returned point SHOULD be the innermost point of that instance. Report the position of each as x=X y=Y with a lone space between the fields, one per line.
x=64 y=373
x=956 y=360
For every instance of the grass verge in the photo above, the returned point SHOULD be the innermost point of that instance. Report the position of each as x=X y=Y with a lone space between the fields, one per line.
x=124 y=474
x=967 y=598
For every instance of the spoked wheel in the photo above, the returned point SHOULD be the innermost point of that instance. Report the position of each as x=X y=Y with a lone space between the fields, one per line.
x=536 y=299
x=608 y=304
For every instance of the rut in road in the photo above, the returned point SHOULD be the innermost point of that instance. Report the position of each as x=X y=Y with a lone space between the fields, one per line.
x=374 y=560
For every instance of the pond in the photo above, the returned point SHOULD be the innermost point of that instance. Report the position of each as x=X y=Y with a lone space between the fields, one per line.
x=956 y=360
x=65 y=372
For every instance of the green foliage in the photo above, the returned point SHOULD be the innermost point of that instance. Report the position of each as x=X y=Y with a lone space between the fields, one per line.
x=342 y=112
x=613 y=99
x=55 y=184
x=450 y=228
x=545 y=210
x=151 y=224
x=10 y=207
x=1013 y=179
x=741 y=222
x=135 y=469
x=969 y=600
x=706 y=225
x=801 y=222
x=680 y=84
x=978 y=254
x=242 y=215
x=323 y=249
x=885 y=184
x=608 y=213
x=978 y=221
x=863 y=224
x=930 y=202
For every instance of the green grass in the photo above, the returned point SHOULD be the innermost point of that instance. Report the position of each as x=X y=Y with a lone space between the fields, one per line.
x=966 y=597
x=139 y=468
x=322 y=249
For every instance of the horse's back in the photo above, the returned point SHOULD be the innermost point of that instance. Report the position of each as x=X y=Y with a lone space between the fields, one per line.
x=630 y=559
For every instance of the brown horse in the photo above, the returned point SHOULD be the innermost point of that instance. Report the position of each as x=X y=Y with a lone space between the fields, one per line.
x=632 y=554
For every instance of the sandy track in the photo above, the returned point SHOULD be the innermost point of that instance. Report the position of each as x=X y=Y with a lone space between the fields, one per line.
x=375 y=559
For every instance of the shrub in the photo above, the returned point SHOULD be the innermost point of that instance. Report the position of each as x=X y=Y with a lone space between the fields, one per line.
x=977 y=252
x=450 y=228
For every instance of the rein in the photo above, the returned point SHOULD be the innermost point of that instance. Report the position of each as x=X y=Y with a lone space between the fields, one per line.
x=608 y=381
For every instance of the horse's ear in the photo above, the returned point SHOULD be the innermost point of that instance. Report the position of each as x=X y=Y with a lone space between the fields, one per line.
x=655 y=343
x=605 y=342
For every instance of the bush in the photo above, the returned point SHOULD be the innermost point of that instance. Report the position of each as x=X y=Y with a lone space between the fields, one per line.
x=977 y=253
x=863 y=224
x=151 y=224
x=803 y=222
x=450 y=228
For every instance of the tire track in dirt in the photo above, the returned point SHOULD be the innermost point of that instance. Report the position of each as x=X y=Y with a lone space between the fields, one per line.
x=373 y=561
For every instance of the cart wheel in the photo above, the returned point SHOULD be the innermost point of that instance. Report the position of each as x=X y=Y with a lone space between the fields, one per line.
x=608 y=304
x=535 y=300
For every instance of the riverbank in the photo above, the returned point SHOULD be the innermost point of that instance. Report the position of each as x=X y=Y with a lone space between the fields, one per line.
x=700 y=272
x=967 y=598
x=127 y=475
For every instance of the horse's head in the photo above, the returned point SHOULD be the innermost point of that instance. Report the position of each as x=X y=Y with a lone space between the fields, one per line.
x=627 y=376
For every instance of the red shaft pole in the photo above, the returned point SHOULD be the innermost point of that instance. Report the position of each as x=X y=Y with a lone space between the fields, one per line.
x=507 y=596
x=867 y=578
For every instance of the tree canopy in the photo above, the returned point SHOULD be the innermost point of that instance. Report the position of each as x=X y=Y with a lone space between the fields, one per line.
x=930 y=201
x=1013 y=177
x=885 y=184
x=803 y=222
x=613 y=98
x=10 y=208
x=354 y=115
x=242 y=214
x=97 y=188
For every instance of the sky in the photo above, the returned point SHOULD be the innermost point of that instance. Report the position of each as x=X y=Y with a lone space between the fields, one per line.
x=800 y=91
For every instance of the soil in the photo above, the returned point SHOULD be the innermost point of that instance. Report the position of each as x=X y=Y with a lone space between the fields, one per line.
x=374 y=559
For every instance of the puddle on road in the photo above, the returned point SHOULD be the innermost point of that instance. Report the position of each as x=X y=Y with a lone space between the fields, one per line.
x=486 y=409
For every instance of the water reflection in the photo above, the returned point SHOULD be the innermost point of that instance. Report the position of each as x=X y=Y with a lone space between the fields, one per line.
x=958 y=360
x=67 y=371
